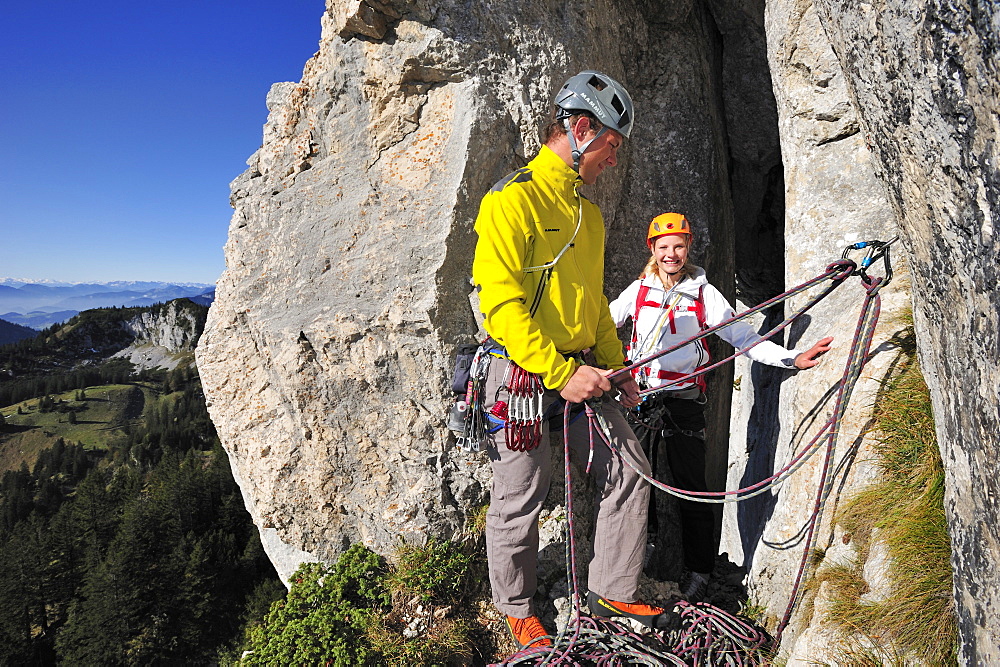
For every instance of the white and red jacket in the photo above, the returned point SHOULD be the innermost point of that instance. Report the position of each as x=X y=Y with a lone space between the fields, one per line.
x=677 y=315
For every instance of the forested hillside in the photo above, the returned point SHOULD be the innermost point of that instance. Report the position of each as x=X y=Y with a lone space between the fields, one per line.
x=10 y=332
x=123 y=537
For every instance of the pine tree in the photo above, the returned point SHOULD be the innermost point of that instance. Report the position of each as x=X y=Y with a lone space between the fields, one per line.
x=148 y=559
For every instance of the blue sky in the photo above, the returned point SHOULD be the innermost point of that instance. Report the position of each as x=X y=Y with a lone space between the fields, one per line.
x=122 y=124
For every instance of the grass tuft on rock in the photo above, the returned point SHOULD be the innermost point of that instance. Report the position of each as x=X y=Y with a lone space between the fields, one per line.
x=904 y=511
x=433 y=572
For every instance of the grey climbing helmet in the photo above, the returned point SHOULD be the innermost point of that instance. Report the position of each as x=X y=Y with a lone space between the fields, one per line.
x=600 y=95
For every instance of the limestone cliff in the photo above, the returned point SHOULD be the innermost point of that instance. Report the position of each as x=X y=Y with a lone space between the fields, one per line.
x=164 y=334
x=833 y=198
x=925 y=78
x=326 y=355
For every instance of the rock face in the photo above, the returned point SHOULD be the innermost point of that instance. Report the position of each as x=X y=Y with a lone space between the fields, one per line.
x=328 y=348
x=925 y=78
x=164 y=333
x=913 y=85
x=327 y=352
x=833 y=198
x=176 y=326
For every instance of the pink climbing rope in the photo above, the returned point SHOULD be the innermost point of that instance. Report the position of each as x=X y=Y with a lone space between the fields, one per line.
x=708 y=636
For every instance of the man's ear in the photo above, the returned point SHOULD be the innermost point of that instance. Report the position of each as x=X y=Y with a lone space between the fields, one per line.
x=582 y=127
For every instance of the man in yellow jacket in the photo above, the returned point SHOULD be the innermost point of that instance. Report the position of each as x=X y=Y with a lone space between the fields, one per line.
x=539 y=270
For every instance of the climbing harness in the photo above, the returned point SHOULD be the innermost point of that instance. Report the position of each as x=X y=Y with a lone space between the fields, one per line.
x=521 y=416
x=837 y=273
x=710 y=636
x=666 y=315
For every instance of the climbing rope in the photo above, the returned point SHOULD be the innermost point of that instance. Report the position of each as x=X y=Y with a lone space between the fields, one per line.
x=828 y=435
x=709 y=635
x=836 y=272
x=858 y=355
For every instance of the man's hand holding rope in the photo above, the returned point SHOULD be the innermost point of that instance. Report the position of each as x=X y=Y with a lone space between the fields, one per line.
x=629 y=389
x=590 y=382
x=586 y=382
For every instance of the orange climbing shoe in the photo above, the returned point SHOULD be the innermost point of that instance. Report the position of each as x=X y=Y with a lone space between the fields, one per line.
x=528 y=632
x=656 y=618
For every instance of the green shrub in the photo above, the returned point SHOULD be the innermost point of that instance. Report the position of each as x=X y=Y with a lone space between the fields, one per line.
x=358 y=612
x=435 y=572
x=325 y=616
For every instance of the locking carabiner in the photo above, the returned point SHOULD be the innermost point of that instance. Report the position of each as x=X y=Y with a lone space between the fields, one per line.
x=876 y=250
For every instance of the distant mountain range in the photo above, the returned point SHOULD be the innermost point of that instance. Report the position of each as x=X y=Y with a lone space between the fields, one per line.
x=38 y=304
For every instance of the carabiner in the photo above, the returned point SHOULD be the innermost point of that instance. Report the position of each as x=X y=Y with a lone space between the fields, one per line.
x=876 y=250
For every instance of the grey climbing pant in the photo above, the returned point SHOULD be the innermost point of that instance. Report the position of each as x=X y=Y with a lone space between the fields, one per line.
x=520 y=485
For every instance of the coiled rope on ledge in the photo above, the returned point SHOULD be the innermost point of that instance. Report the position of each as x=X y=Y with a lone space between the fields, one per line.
x=709 y=635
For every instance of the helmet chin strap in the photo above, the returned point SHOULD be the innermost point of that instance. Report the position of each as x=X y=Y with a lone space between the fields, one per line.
x=578 y=152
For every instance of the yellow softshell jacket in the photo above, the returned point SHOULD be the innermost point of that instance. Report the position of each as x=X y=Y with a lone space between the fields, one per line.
x=525 y=221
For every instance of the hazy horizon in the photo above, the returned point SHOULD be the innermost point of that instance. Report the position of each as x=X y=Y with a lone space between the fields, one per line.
x=6 y=280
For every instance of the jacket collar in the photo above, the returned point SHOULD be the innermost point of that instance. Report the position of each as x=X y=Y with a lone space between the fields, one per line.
x=690 y=286
x=549 y=166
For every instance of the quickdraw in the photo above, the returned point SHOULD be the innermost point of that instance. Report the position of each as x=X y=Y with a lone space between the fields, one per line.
x=876 y=250
x=523 y=429
x=477 y=425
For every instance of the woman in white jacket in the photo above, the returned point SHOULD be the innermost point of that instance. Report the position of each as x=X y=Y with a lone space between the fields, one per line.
x=670 y=302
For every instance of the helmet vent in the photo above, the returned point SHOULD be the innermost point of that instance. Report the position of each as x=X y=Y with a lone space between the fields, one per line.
x=597 y=84
x=617 y=104
x=625 y=120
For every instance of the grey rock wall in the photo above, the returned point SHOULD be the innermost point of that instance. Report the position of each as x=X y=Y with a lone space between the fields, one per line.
x=832 y=198
x=328 y=348
x=925 y=78
x=173 y=326
x=165 y=335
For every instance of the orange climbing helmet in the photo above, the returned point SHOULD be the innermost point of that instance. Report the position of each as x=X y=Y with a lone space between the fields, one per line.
x=667 y=223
